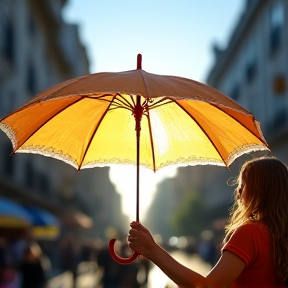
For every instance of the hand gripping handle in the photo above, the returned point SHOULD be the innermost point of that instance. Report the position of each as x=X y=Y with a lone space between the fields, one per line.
x=118 y=259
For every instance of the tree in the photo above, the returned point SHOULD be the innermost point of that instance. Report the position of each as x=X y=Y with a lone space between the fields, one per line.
x=191 y=216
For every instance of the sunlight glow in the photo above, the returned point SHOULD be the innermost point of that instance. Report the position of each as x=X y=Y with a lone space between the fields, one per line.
x=124 y=178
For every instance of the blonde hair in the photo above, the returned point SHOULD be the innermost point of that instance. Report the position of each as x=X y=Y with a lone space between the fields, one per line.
x=266 y=199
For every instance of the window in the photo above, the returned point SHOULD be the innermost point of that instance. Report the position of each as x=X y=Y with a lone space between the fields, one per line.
x=235 y=92
x=29 y=175
x=253 y=106
x=31 y=26
x=280 y=118
x=8 y=41
x=279 y=85
x=250 y=57
x=278 y=121
x=31 y=81
x=7 y=103
x=279 y=101
x=8 y=162
x=276 y=26
x=10 y=102
x=43 y=183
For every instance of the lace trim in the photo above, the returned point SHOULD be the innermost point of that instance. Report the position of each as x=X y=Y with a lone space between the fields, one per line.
x=10 y=133
x=257 y=125
x=191 y=161
x=49 y=152
x=245 y=150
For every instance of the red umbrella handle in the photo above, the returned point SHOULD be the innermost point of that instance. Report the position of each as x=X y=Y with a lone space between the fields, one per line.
x=119 y=259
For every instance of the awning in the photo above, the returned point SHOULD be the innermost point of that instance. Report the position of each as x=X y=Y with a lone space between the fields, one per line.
x=44 y=224
x=41 y=217
x=13 y=215
x=68 y=216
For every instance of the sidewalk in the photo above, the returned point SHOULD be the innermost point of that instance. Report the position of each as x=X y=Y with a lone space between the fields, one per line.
x=88 y=277
x=157 y=279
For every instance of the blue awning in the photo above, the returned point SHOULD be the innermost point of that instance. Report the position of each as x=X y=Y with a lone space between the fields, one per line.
x=41 y=217
x=44 y=224
x=13 y=214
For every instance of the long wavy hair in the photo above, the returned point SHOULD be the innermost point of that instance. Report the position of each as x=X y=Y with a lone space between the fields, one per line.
x=266 y=199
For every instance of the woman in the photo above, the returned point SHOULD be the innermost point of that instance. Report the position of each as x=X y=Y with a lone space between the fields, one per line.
x=255 y=250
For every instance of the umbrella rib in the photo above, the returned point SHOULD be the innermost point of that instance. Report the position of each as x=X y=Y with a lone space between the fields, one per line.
x=203 y=132
x=156 y=105
x=117 y=107
x=43 y=124
x=151 y=140
x=133 y=101
x=95 y=130
x=124 y=102
x=263 y=141
x=145 y=85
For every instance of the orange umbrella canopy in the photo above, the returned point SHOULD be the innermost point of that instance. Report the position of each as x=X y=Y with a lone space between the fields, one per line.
x=90 y=121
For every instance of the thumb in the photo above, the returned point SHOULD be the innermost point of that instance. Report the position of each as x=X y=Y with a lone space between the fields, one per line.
x=137 y=226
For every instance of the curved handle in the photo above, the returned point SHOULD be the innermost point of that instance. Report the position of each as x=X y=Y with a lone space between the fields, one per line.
x=119 y=259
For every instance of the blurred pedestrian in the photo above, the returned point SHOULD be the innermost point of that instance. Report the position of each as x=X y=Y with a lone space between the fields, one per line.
x=111 y=270
x=32 y=271
x=207 y=247
x=8 y=270
x=128 y=273
x=144 y=270
x=69 y=256
x=255 y=250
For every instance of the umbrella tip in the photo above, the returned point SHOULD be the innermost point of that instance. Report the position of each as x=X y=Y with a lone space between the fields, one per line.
x=139 y=62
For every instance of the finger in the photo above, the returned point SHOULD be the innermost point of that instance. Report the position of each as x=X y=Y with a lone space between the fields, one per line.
x=135 y=225
x=138 y=226
x=131 y=239
x=132 y=232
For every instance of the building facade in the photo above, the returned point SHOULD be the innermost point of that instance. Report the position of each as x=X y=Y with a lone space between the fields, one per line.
x=253 y=71
x=38 y=50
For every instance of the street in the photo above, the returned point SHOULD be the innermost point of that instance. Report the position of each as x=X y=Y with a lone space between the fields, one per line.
x=88 y=279
x=157 y=279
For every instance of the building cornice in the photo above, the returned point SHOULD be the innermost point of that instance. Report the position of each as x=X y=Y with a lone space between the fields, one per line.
x=51 y=27
x=243 y=25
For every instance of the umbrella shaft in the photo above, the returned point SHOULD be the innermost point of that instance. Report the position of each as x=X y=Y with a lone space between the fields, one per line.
x=138 y=112
x=137 y=176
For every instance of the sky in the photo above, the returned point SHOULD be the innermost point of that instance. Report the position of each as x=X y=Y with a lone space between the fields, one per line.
x=175 y=37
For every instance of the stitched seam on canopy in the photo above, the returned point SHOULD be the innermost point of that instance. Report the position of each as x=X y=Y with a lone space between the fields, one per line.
x=143 y=78
x=191 y=116
x=151 y=141
x=95 y=130
x=43 y=124
x=262 y=139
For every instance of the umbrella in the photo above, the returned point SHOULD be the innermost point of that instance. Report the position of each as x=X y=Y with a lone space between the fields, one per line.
x=96 y=120
x=13 y=214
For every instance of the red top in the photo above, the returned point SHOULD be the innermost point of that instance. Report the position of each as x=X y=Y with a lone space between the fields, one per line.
x=252 y=243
